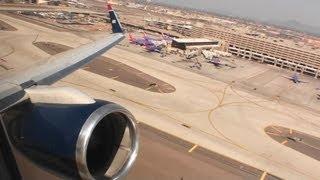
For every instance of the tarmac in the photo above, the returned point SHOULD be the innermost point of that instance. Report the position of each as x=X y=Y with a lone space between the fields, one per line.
x=163 y=156
x=208 y=113
x=304 y=143
x=116 y=70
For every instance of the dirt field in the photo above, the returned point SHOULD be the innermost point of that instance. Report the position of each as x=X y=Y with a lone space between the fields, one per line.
x=304 y=143
x=113 y=69
x=6 y=27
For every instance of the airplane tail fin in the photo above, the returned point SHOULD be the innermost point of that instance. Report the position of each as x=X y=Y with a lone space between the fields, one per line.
x=131 y=38
x=116 y=25
x=163 y=36
x=145 y=36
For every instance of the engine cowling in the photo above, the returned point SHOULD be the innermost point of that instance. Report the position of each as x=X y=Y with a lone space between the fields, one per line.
x=89 y=141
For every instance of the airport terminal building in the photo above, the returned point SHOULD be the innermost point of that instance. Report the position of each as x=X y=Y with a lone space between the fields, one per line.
x=194 y=43
x=281 y=55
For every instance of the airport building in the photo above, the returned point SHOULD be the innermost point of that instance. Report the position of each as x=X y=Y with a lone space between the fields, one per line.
x=278 y=54
x=37 y=1
x=196 y=43
x=184 y=29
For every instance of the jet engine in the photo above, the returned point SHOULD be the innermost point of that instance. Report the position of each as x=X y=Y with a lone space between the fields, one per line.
x=91 y=139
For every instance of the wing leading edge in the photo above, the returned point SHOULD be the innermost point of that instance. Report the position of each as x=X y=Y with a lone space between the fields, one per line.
x=56 y=67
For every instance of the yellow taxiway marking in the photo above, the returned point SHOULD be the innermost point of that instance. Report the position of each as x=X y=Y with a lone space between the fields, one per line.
x=166 y=85
x=290 y=131
x=276 y=129
x=160 y=90
x=193 y=148
x=284 y=142
x=148 y=88
x=273 y=134
x=263 y=176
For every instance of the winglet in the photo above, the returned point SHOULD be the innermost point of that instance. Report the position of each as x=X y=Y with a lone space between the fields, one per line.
x=116 y=25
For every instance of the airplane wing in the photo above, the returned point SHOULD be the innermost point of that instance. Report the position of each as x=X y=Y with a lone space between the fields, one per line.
x=287 y=77
x=56 y=67
x=53 y=69
x=61 y=129
x=303 y=81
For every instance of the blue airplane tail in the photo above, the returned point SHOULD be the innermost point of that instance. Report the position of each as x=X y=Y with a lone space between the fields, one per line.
x=116 y=25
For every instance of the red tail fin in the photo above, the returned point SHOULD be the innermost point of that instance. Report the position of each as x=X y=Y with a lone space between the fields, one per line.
x=131 y=38
x=144 y=35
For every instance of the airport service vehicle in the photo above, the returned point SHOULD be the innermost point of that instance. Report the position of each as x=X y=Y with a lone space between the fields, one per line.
x=60 y=129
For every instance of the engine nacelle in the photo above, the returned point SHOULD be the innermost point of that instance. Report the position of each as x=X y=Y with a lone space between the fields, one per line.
x=88 y=141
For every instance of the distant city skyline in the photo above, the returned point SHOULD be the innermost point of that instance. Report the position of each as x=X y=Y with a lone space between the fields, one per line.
x=303 y=15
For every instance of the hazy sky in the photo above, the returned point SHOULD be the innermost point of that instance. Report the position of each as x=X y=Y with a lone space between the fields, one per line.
x=303 y=11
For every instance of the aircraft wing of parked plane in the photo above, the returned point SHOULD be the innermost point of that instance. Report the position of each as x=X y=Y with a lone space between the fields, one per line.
x=295 y=79
x=61 y=129
x=216 y=62
x=153 y=48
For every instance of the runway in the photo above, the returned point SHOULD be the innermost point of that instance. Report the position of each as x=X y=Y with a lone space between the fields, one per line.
x=205 y=112
x=163 y=156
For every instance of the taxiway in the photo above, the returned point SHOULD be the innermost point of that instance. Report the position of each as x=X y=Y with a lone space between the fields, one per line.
x=211 y=114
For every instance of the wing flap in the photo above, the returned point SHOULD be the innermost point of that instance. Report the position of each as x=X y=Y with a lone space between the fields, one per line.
x=9 y=94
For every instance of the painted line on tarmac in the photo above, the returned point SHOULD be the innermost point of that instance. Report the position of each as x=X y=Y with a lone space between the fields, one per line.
x=273 y=134
x=264 y=175
x=193 y=148
x=276 y=129
x=148 y=88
